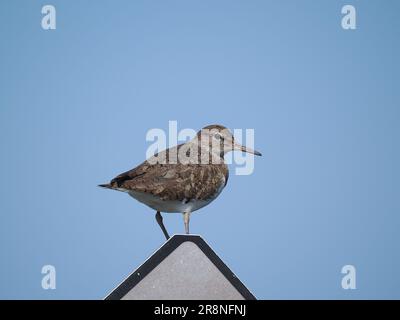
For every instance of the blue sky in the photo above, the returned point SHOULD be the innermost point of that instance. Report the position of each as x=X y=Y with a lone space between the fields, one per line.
x=76 y=104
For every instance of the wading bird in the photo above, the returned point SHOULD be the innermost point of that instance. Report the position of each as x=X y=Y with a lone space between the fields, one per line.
x=184 y=178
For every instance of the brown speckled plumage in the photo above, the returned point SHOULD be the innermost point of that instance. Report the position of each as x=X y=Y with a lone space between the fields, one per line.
x=162 y=183
x=173 y=181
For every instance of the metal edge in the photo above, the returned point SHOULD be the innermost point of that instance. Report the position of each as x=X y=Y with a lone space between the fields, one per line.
x=160 y=254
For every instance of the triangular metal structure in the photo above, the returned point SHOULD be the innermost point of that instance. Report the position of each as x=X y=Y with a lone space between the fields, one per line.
x=184 y=268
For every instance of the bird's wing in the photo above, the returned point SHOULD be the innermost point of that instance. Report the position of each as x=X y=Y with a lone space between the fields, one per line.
x=130 y=175
x=147 y=169
x=174 y=181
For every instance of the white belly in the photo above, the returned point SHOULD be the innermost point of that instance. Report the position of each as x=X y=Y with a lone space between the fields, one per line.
x=158 y=204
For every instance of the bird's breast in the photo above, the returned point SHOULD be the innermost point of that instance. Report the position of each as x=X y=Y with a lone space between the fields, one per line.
x=197 y=198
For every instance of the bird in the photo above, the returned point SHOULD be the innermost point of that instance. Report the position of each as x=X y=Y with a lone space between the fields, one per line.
x=184 y=178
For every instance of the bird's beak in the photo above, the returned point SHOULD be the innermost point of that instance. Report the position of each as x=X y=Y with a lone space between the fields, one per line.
x=246 y=149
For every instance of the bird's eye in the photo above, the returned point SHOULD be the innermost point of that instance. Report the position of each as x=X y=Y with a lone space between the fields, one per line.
x=218 y=136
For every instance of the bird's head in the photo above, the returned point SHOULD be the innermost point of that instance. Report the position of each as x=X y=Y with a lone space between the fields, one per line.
x=220 y=140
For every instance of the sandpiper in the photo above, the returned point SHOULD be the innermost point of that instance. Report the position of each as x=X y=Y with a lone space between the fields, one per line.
x=184 y=178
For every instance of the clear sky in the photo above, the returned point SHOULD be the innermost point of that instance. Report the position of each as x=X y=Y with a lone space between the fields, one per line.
x=76 y=104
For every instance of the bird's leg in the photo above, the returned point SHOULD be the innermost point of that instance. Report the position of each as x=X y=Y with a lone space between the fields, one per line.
x=186 y=219
x=159 y=219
